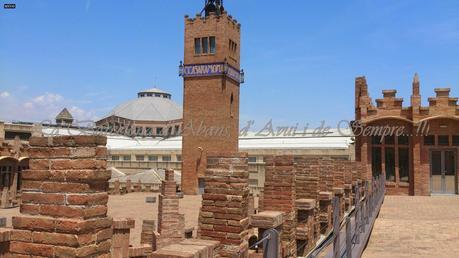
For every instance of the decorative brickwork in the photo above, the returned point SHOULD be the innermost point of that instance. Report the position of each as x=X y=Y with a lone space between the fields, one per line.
x=210 y=103
x=64 y=200
x=280 y=195
x=439 y=119
x=224 y=212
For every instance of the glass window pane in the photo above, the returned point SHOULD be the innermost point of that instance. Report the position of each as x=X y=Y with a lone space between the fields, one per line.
x=376 y=165
x=456 y=140
x=149 y=131
x=429 y=140
x=140 y=157
x=404 y=164
x=197 y=46
x=153 y=158
x=390 y=164
x=212 y=45
x=179 y=157
x=436 y=163
x=443 y=140
x=403 y=140
x=167 y=158
x=389 y=139
x=205 y=45
x=376 y=139
x=252 y=159
x=127 y=157
x=115 y=157
x=450 y=163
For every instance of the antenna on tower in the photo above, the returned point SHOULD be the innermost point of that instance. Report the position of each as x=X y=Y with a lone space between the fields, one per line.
x=213 y=6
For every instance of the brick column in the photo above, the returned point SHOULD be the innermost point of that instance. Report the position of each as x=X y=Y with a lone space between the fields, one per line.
x=5 y=201
x=267 y=220
x=64 y=199
x=116 y=187
x=171 y=224
x=5 y=237
x=326 y=174
x=138 y=186
x=305 y=230
x=148 y=227
x=325 y=211
x=307 y=178
x=348 y=200
x=14 y=183
x=120 y=239
x=128 y=185
x=280 y=195
x=224 y=212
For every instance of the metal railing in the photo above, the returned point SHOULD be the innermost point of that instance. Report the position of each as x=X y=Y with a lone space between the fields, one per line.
x=350 y=236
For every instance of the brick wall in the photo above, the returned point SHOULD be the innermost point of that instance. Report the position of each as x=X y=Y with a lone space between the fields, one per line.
x=64 y=200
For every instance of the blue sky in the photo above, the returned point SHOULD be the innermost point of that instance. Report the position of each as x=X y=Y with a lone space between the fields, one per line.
x=300 y=57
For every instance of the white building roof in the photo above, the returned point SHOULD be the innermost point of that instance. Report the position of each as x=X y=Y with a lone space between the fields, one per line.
x=334 y=140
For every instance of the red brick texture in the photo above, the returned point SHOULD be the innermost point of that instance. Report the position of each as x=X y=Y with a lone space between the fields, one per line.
x=120 y=239
x=64 y=200
x=280 y=195
x=171 y=224
x=441 y=115
x=224 y=213
x=210 y=104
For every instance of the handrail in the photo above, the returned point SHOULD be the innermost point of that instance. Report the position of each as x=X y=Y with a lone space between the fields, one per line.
x=355 y=223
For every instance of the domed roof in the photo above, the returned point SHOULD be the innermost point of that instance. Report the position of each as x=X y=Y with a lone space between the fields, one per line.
x=151 y=105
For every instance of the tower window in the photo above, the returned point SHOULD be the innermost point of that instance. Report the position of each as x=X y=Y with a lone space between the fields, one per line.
x=231 y=105
x=197 y=46
x=212 y=45
x=232 y=48
x=205 y=45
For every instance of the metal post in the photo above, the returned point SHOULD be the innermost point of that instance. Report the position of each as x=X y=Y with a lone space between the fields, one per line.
x=367 y=206
x=348 y=238
x=357 y=218
x=336 y=224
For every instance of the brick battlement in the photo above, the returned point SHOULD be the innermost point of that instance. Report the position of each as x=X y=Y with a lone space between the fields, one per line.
x=440 y=105
x=199 y=19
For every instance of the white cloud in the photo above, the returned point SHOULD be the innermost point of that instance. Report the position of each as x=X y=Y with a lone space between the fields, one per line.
x=44 y=107
x=4 y=94
x=48 y=98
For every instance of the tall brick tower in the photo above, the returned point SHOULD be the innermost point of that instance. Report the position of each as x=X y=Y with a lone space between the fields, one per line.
x=212 y=76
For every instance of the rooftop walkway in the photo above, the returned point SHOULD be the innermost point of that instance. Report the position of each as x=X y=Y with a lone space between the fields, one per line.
x=414 y=226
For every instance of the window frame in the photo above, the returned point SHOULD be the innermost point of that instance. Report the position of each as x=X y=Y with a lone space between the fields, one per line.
x=197 y=46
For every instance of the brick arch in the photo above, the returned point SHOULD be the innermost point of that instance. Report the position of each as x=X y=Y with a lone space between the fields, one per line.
x=383 y=118
x=454 y=118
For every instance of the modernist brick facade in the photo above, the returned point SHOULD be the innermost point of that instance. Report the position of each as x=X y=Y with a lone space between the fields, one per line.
x=210 y=103
x=424 y=159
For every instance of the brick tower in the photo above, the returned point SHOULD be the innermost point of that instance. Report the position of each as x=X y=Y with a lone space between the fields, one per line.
x=212 y=76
